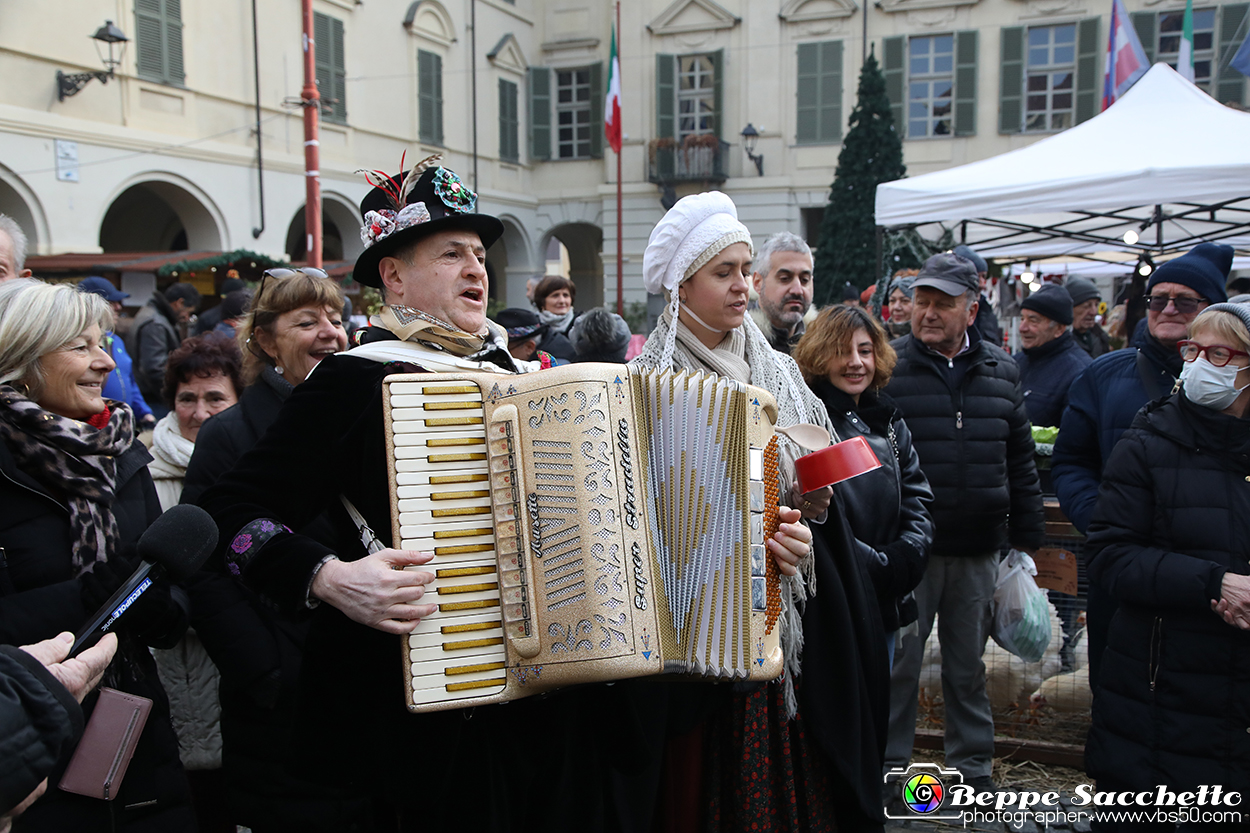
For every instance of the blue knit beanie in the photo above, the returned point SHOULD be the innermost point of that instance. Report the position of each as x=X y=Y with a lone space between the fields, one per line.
x=1204 y=269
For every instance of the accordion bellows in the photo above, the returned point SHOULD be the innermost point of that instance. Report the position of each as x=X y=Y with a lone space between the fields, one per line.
x=589 y=523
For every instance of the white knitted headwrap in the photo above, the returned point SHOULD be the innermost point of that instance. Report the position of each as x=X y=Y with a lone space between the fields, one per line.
x=694 y=231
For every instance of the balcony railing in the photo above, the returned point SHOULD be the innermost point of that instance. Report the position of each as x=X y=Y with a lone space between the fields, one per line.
x=698 y=158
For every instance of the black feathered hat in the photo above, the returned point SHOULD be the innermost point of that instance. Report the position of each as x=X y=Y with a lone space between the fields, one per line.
x=404 y=208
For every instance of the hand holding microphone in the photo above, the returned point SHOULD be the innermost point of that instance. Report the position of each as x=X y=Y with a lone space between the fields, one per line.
x=130 y=591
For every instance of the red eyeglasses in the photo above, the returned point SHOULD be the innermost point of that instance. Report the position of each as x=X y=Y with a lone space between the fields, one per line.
x=1217 y=354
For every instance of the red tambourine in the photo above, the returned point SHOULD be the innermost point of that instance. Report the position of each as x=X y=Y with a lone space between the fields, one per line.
x=841 y=461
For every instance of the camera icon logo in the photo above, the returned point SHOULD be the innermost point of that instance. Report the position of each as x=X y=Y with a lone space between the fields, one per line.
x=922 y=789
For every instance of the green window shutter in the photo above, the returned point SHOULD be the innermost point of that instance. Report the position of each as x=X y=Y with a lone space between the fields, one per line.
x=1089 y=70
x=1229 y=85
x=1011 y=79
x=894 y=64
x=174 y=67
x=508 y=144
x=808 y=94
x=158 y=39
x=831 y=91
x=1144 y=23
x=596 y=110
x=665 y=96
x=324 y=46
x=338 y=71
x=966 y=83
x=819 y=92
x=718 y=92
x=430 y=97
x=150 y=39
x=540 y=113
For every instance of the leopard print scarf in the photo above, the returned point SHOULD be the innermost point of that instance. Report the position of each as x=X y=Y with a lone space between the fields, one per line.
x=75 y=462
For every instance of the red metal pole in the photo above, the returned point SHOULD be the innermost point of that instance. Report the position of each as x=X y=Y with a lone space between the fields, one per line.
x=312 y=154
x=620 y=259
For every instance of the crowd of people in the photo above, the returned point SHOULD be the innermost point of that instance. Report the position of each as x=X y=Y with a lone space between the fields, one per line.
x=272 y=673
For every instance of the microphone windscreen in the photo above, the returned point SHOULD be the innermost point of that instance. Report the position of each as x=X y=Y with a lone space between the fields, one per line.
x=180 y=540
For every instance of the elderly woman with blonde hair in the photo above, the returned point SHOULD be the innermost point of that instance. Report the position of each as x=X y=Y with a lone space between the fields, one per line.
x=75 y=496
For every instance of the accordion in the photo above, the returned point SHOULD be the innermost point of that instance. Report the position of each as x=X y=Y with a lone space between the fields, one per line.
x=589 y=523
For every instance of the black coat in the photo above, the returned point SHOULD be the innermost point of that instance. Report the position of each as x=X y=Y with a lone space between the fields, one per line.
x=258 y=651
x=987 y=322
x=975 y=445
x=1046 y=374
x=353 y=725
x=40 y=722
x=887 y=508
x=1094 y=341
x=1173 y=516
x=40 y=597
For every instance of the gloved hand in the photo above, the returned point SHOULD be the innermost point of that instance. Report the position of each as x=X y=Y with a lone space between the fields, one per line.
x=155 y=614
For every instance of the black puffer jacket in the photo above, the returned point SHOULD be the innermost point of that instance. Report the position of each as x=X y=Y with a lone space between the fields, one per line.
x=1173 y=516
x=975 y=445
x=888 y=508
x=40 y=722
x=39 y=598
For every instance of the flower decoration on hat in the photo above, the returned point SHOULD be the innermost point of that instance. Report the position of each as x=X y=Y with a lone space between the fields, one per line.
x=384 y=222
x=455 y=194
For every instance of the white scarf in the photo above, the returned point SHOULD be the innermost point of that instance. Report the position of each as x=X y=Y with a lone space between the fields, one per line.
x=171 y=448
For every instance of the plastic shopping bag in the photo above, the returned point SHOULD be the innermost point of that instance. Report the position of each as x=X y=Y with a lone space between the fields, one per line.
x=1021 y=610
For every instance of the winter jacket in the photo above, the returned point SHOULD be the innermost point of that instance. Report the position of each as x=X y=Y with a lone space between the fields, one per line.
x=121 y=385
x=257 y=652
x=153 y=336
x=1102 y=402
x=1173 y=516
x=40 y=597
x=1094 y=341
x=969 y=426
x=781 y=339
x=887 y=508
x=187 y=672
x=1046 y=373
x=40 y=722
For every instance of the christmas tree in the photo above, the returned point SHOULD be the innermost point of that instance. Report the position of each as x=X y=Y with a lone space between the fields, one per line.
x=872 y=153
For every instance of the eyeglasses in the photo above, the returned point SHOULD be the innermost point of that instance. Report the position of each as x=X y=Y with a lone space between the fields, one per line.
x=1217 y=354
x=1184 y=305
x=281 y=273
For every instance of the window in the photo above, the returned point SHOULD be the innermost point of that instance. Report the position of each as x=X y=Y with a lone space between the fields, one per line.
x=1051 y=77
x=430 y=97
x=930 y=85
x=331 y=74
x=509 y=126
x=696 y=95
x=573 y=115
x=1169 y=45
x=158 y=40
x=819 y=93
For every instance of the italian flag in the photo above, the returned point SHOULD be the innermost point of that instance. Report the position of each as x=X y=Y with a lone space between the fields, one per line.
x=1185 y=60
x=612 y=105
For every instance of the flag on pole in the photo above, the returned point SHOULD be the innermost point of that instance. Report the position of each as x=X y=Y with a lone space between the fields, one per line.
x=1126 y=60
x=1241 y=61
x=1185 y=58
x=612 y=104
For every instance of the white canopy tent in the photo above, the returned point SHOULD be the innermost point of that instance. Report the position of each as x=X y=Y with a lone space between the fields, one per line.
x=1165 y=162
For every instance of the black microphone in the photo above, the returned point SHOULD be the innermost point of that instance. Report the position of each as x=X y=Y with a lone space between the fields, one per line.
x=176 y=545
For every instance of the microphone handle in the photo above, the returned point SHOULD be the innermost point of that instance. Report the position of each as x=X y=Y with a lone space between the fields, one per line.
x=117 y=604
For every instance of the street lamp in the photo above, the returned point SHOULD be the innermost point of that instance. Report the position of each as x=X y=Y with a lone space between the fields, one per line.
x=749 y=137
x=70 y=84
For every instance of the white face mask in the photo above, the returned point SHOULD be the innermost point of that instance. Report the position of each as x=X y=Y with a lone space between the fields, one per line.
x=1210 y=386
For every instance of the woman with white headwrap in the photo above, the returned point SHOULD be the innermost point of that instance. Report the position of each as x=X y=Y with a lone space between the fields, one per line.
x=700 y=255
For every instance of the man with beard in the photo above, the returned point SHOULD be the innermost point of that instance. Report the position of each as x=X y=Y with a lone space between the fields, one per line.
x=783 y=280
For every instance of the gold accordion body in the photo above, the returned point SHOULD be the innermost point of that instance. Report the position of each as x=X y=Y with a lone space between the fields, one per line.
x=589 y=523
